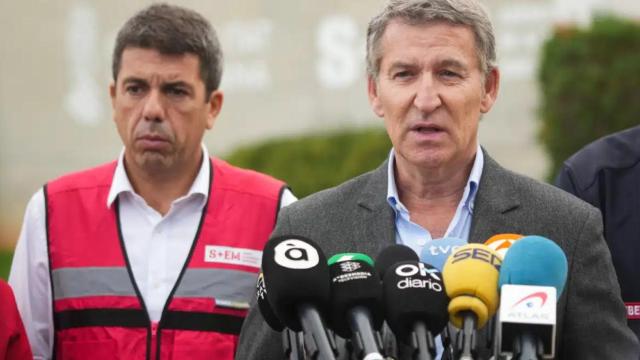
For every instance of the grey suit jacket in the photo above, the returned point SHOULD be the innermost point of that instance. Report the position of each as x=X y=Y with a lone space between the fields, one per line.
x=355 y=217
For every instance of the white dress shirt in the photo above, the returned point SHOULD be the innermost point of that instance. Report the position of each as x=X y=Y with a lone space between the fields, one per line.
x=157 y=247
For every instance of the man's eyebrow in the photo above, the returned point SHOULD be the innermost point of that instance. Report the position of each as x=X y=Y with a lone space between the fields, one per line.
x=133 y=79
x=400 y=65
x=174 y=84
x=452 y=63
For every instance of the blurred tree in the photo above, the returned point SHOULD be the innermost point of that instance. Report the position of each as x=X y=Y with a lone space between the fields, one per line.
x=5 y=263
x=590 y=84
x=312 y=163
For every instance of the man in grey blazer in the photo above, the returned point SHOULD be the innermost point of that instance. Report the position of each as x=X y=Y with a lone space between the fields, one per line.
x=431 y=75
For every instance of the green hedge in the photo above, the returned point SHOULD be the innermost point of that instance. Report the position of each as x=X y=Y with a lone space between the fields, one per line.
x=312 y=163
x=590 y=81
x=5 y=263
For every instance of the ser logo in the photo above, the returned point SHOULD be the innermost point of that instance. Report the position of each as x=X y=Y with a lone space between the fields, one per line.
x=477 y=254
x=296 y=254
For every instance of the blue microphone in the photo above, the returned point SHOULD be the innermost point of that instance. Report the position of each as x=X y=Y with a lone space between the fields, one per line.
x=537 y=261
x=436 y=252
x=532 y=278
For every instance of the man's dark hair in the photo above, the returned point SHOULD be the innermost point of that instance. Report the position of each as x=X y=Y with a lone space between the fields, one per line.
x=172 y=30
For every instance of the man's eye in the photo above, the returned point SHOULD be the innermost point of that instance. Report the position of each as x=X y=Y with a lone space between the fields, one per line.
x=449 y=74
x=402 y=74
x=133 y=89
x=177 y=92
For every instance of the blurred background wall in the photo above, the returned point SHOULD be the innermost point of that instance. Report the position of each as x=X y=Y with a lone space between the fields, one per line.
x=292 y=67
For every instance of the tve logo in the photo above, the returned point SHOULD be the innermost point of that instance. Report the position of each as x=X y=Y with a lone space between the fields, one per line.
x=296 y=254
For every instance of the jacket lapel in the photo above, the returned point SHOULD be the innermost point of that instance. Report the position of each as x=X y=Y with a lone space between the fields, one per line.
x=375 y=213
x=495 y=203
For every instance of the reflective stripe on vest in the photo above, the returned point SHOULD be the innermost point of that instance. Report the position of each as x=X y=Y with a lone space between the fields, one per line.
x=220 y=284
x=92 y=282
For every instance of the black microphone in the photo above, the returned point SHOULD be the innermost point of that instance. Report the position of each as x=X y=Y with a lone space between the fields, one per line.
x=296 y=274
x=415 y=304
x=291 y=342
x=393 y=254
x=265 y=308
x=356 y=302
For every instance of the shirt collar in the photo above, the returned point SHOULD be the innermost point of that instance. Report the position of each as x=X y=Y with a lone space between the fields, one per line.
x=121 y=184
x=469 y=194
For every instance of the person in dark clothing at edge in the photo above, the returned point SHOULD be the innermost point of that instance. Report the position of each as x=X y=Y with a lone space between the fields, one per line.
x=606 y=174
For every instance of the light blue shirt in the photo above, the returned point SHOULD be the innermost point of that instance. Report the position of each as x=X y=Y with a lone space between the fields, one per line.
x=415 y=236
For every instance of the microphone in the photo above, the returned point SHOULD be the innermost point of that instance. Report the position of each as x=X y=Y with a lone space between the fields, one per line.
x=265 y=308
x=436 y=252
x=500 y=243
x=291 y=344
x=391 y=255
x=297 y=277
x=415 y=305
x=356 y=302
x=470 y=277
x=532 y=278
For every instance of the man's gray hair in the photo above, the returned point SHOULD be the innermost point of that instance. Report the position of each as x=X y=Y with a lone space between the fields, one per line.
x=418 y=12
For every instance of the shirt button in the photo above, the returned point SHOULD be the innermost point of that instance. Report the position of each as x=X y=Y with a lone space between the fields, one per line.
x=422 y=241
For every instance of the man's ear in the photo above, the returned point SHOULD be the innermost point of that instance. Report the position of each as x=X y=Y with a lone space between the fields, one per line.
x=374 y=100
x=112 y=94
x=215 y=105
x=491 y=87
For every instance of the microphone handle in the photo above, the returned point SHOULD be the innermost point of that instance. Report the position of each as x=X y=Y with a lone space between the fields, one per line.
x=421 y=334
x=292 y=344
x=316 y=340
x=526 y=344
x=363 y=336
x=468 y=335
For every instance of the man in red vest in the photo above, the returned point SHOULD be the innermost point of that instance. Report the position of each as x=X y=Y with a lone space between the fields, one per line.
x=14 y=344
x=154 y=255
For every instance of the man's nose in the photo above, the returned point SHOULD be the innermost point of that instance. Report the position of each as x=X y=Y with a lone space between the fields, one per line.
x=153 y=109
x=427 y=97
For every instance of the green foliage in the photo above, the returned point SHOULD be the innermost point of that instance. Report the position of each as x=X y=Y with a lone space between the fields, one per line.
x=312 y=163
x=590 y=82
x=5 y=263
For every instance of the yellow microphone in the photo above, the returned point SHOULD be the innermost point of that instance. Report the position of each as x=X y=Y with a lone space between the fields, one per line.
x=470 y=278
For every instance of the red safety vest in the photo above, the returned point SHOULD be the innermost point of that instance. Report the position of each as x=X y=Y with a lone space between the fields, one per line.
x=97 y=307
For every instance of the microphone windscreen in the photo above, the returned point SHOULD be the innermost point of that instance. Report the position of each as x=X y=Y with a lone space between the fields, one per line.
x=295 y=272
x=414 y=291
x=265 y=308
x=394 y=254
x=436 y=252
x=350 y=256
x=501 y=243
x=471 y=280
x=535 y=260
x=354 y=282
